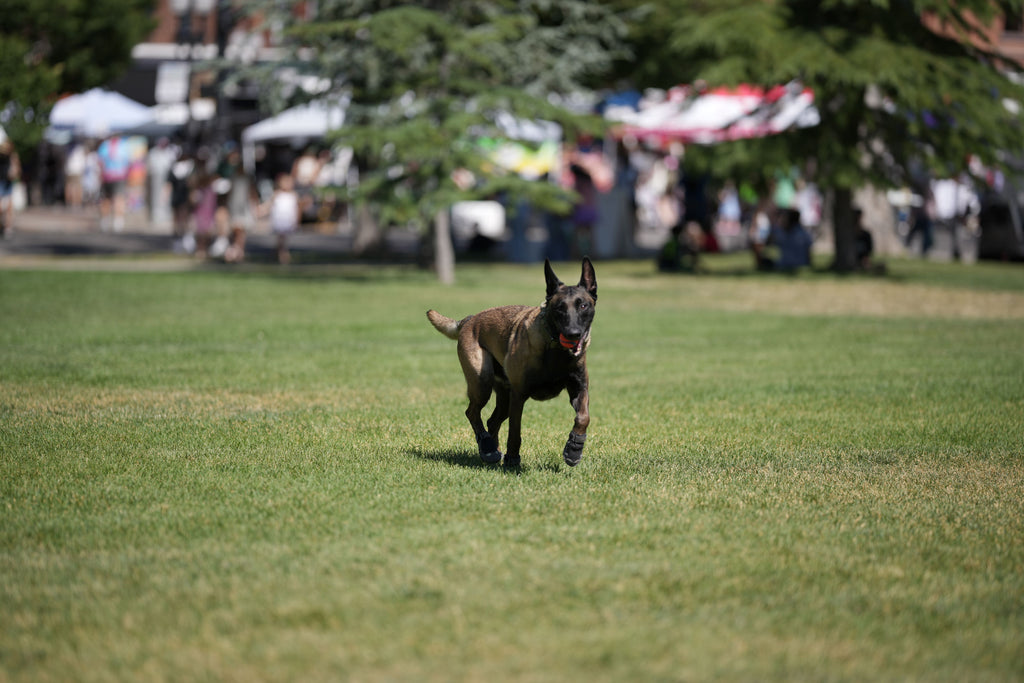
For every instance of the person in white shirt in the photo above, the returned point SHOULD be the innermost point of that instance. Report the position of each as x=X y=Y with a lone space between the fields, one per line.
x=284 y=214
x=74 y=169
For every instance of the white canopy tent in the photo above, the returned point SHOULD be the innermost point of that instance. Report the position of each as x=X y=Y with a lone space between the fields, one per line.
x=298 y=125
x=98 y=112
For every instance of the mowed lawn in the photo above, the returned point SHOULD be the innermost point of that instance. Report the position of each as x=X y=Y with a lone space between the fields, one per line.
x=265 y=474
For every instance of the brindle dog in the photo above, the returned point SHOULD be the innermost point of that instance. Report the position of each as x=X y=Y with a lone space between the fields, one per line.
x=522 y=352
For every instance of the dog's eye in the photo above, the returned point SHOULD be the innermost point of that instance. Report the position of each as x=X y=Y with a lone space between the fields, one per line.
x=583 y=305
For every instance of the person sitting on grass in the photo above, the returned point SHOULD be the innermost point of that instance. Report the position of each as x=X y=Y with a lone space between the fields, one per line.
x=792 y=240
x=864 y=246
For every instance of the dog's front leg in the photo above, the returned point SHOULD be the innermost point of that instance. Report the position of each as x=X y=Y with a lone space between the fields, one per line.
x=515 y=423
x=579 y=397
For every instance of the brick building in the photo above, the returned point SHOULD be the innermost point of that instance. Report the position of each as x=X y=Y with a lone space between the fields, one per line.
x=171 y=69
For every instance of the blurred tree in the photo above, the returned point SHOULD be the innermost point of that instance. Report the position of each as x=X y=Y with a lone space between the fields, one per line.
x=898 y=83
x=425 y=80
x=53 y=47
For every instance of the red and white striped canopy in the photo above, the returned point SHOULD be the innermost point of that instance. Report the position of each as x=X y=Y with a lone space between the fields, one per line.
x=690 y=115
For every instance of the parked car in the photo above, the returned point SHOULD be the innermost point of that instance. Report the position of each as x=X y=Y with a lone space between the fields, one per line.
x=1002 y=222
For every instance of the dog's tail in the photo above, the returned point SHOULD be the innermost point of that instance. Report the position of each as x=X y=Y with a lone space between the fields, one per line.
x=446 y=326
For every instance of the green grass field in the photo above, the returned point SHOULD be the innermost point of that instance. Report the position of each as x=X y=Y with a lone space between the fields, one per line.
x=266 y=474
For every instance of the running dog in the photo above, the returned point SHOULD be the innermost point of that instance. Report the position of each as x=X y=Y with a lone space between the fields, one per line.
x=522 y=352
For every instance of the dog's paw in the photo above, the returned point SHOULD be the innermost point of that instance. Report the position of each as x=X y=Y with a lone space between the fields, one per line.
x=512 y=461
x=573 y=452
x=489 y=452
x=492 y=458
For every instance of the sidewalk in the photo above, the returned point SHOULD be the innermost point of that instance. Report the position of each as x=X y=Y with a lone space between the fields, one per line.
x=53 y=231
x=56 y=231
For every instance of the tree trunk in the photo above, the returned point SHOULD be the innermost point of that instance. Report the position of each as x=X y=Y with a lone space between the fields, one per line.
x=368 y=237
x=844 y=229
x=444 y=252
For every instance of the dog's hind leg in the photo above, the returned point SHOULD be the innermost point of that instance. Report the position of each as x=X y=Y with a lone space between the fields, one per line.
x=515 y=424
x=486 y=443
x=478 y=368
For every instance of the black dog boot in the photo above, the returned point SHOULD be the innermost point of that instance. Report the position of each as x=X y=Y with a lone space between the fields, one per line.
x=573 y=452
x=489 y=452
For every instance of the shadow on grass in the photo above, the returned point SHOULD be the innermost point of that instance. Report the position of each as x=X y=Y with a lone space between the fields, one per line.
x=471 y=460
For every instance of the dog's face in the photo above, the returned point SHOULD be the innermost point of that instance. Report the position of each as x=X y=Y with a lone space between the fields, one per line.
x=571 y=308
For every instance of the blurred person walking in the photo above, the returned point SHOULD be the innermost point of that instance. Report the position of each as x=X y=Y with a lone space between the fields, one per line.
x=922 y=219
x=92 y=183
x=115 y=160
x=74 y=172
x=179 y=177
x=808 y=202
x=161 y=158
x=333 y=175
x=728 y=229
x=10 y=173
x=242 y=198
x=305 y=170
x=758 y=234
x=204 y=210
x=956 y=204
x=588 y=174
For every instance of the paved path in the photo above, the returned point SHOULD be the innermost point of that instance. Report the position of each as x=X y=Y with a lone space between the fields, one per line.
x=44 y=233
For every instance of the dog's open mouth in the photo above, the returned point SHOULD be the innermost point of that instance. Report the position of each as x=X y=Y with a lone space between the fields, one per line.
x=574 y=345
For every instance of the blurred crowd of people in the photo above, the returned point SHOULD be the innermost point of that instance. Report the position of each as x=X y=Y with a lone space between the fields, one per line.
x=204 y=194
x=777 y=220
x=210 y=201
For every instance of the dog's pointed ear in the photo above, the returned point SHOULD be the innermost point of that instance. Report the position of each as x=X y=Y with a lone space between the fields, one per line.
x=552 y=280
x=588 y=280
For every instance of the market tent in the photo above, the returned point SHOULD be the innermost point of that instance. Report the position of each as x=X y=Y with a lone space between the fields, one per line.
x=98 y=112
x=165 y=122
x=305 y=122
x=689 y=115
x=298 y=125
x=530 y=148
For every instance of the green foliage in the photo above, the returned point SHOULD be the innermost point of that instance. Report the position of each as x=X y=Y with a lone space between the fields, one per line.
x=894 y=94
x=55 y=47
x=891 y=91
x=428 y=79
x=21 y=85
x=267 y=475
